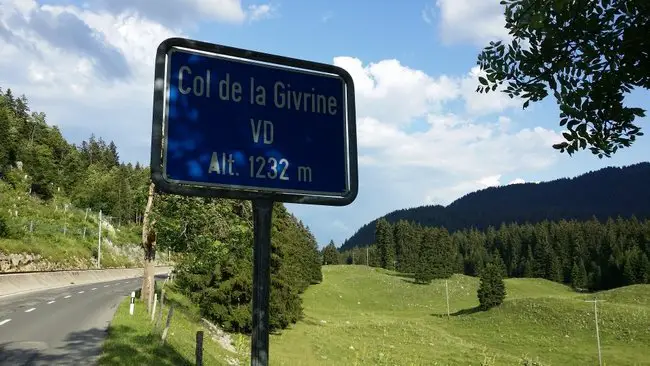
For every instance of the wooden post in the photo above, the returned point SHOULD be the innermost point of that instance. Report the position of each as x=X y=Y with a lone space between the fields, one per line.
x=199 y=348
x=169 y=320
x=162 y=302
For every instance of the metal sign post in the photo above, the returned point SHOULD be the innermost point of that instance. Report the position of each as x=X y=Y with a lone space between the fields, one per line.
x=246 y=125
x=262 y=214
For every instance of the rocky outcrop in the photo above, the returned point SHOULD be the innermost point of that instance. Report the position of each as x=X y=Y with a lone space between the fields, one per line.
x=26 y=262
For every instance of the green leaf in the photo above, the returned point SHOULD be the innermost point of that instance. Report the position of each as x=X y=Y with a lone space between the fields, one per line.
x=482 y=80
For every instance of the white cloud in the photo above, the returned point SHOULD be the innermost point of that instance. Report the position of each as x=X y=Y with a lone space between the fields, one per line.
x=395 y=92
x=517 y=181
x=263 y=11
x=484 y=103
x=475 y=21
x=72 y=73
x=422 y=138
x=80 y=63
x=454 y=153
x=491 y=181
x=427 y=14
x=176 y=13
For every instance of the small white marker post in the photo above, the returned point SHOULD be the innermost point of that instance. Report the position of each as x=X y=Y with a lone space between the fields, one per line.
x=153 y=310
x=132 y=302
x=595 y=301
x=99 y=242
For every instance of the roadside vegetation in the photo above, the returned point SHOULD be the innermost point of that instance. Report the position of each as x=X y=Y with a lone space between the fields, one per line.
x=361 y=315
x=134 y=340
x=56 y=235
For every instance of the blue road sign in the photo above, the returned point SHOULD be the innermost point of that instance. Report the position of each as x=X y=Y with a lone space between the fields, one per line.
x=251 y=128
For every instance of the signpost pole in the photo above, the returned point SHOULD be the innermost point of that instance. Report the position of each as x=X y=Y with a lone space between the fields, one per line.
x=262 y=214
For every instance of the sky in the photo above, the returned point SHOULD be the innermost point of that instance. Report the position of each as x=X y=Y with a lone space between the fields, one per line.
x=424 y=135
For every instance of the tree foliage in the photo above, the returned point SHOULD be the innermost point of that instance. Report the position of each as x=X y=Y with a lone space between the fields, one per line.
x=330 y=254
x=589 y=54
x=90 y=173
x=385 y=244
x=565 y=198
x=586 y=254
x=491 y=290
x=215 y=267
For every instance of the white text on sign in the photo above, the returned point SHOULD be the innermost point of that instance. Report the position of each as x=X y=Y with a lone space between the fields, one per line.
x=284 y=97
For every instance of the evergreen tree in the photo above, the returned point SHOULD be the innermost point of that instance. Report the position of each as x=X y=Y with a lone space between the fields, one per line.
x=528 y=263
x=330 y=254
x=443 y=259
x=410 y=248
x=5 y=140
x=578 y=275
x=400 y=235
x=497 y=260
x=491 y=291
x=424 y=271
x=385 y=244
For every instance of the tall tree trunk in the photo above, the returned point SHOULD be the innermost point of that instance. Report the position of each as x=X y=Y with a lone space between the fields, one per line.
x=149 y=246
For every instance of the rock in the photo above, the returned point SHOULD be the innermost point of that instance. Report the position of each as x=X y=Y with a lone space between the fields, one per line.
x=219 y=335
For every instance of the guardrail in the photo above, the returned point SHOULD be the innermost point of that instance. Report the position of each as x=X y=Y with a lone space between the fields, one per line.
x=15 y=283
x=79 y=270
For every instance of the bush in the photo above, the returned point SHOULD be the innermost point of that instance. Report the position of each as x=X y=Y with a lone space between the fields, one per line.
x=7 y=229
x=4 y=228
x=491 y=291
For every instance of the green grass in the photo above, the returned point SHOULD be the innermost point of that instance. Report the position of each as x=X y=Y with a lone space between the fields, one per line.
x=132 y=340
x=360 y=316
x=366 y=316
x=38 y=229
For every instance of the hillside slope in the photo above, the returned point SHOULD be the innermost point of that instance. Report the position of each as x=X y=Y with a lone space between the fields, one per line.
x=361 y=316
x=577 y=198
x=39 y=235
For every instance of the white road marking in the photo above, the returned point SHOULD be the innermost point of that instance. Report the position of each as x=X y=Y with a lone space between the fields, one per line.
x=30 y=310
x=117 y=284
x=81 y=292
x=93 y=289
x=126 y=282
x=67 y=297
x=106 y=285
x=5 y=321
x=51 y=302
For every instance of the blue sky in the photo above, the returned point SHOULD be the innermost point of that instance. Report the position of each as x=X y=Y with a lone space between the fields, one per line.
x=425 y=136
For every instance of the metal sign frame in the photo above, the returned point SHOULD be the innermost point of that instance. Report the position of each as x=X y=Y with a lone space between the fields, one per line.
x=158 y=146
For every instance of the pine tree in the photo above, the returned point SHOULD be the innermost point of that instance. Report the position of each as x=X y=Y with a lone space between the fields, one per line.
x=330 y=254
x=400 y=235
x=498 y=261
x=578 y=274
x=5 y=139
x=385 y=243
x=442 y=262
x=424 y=271
x=555 y=269
x=491 y=291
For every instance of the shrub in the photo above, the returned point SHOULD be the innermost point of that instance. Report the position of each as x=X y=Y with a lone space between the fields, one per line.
x=491 y=291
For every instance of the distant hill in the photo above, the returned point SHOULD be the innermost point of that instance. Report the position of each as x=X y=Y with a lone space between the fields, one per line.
x=608 y=192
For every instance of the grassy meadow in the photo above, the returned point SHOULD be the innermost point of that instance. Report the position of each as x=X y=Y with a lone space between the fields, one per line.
x=362 y=315
x=368 y=316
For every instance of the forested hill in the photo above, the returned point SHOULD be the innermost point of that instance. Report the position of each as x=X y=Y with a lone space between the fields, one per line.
x=608 y=192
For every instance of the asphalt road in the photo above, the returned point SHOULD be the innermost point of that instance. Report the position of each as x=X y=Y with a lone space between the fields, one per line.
x=63 y=326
